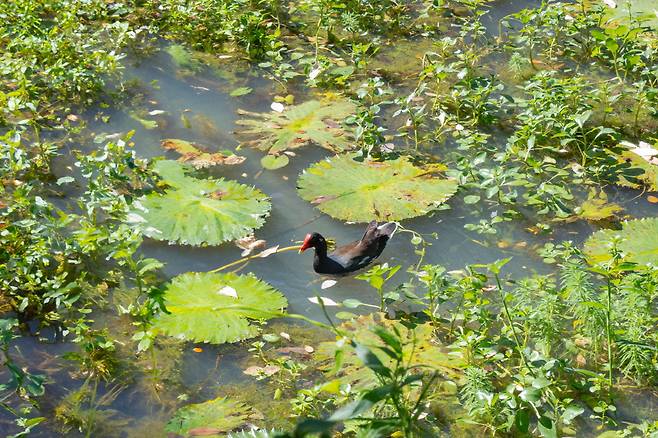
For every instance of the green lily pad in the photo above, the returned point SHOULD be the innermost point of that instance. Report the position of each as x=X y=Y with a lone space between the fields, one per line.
x=241 y=91
x=311 y=122
x=199 y=211
x=638 y=241
x=640 y=173
x=361 y=191
x=212 y=418
x=595 y=208
x=217 y=308
x=273 y=162
x=644 y=11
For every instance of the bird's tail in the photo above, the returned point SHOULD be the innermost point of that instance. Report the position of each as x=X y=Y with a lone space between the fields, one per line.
x=387 y=229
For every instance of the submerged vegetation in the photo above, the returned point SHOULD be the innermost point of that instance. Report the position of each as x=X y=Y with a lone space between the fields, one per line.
x=529 y=134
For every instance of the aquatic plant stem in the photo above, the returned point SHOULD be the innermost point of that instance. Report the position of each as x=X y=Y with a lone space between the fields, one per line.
x=254 y=256
x=509 y=321
x=92 y=414
x=608 y=329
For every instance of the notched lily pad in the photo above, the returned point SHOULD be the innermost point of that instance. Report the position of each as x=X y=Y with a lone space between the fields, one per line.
x=212 y=418
x=644 y=11
x=196 y=156
x=199 y=211
x=217 y=308
x=642 y=160
x=314 y=121
x=595 y=208
x=361 y=191
x=273 y=162
x=637 y=240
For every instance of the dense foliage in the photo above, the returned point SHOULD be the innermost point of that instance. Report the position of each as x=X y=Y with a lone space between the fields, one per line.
x=534 y=122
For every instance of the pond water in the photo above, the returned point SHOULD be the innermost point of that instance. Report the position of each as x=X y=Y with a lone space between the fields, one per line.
x=203 y=100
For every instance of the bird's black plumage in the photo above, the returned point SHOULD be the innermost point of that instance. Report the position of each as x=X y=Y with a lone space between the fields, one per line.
x=353 y=256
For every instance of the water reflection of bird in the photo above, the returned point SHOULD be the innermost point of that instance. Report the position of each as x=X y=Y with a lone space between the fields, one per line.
x=353 y=256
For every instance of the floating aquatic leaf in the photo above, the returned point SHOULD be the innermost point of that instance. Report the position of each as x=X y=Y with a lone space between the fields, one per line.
x=148 y=124
x=212 y=418
x=241 y=91
x=256 y=371
x=595 y=208
x=273 y=162
x=200 y=211
x=645 y=11
x=254 y=434
x=420 y=348
x=249 y=244
x=197 y=157
x=215 y=307
x=359 y=191
x=638 y=241
x=183 y=58
x=643 y=163
x=311 y=122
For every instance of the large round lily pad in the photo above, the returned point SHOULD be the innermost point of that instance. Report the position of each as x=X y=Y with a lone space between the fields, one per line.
x=638 y=241
x=314 y=121
x=217 y=308
x=200 y=211
x=361 y=191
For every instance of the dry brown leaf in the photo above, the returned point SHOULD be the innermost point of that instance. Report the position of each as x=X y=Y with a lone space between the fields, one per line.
x=203 y=431
x=197 y=156
x=249 y=244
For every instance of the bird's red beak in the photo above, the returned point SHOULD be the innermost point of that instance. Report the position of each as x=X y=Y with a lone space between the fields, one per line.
x=306 y=244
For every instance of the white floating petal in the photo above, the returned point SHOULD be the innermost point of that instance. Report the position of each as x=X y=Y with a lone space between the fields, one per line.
x=277 y=106
x=228 y=291
x=326 y=301
x=327 y=284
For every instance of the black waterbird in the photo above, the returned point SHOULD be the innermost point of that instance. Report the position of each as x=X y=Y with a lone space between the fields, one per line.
x=353 y=256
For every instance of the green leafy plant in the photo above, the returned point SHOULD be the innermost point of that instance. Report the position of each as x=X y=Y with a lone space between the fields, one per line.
x=637 y=241
x=376 y=277
x=400 y=365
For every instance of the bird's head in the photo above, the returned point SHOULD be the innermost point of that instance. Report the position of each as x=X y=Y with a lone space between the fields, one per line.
x=312 y=240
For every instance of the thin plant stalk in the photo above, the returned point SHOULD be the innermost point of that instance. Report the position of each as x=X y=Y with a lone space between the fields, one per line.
x=608 y=329
x=509 y=321
x=254 y=256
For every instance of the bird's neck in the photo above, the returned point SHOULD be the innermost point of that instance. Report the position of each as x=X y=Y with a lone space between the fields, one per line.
x=321 y=250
